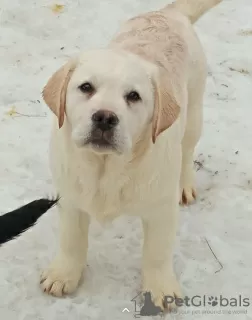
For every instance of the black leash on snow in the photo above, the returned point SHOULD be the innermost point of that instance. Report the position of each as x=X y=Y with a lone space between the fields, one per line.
x=13 y=223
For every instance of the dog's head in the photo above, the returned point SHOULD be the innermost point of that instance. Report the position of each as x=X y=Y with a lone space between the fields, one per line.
x=109 y=98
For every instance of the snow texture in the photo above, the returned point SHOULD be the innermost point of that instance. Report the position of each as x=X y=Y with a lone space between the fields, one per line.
x=34 y=42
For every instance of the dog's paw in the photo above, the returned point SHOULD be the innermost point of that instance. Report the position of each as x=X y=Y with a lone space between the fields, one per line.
x=188 y=196
x=163 y=293
x=60 y=278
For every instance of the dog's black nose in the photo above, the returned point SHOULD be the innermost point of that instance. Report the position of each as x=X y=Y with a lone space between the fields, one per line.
x=105 y=120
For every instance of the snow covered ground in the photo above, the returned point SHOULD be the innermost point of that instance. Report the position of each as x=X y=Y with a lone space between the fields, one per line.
x=34 y=41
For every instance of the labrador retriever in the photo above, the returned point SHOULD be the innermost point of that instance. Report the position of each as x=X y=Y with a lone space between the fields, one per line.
x=128 y=119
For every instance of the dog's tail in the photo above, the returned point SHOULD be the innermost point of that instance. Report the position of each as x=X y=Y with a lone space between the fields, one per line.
x=13 y=223
x=194 y=9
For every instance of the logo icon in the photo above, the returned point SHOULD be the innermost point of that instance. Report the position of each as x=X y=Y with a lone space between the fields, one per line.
x=213 y=301
x=145 y=307
x=149 y=308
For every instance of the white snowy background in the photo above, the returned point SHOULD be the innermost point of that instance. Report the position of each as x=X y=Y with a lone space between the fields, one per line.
x=34 y=42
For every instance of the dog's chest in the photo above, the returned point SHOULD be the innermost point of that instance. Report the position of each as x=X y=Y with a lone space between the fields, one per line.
x=111 y=191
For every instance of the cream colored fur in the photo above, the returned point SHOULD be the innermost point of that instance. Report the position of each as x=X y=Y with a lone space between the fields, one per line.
x=151 y=170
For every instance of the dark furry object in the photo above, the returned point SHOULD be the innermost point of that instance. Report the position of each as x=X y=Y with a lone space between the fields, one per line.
x=13 y=223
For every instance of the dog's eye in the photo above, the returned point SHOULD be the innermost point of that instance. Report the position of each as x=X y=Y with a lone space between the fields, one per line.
x=133 y=96
x=87 y=88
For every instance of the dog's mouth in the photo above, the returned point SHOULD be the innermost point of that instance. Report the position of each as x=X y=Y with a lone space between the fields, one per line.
x=101 y=140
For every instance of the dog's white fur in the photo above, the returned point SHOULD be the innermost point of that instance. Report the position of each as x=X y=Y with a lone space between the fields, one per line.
x=159 y=55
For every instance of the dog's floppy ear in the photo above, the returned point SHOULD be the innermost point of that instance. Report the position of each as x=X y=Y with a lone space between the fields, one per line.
x=166 y=108
x=54 y=93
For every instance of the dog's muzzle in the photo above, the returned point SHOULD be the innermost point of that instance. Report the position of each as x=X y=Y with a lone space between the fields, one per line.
x=102 y=133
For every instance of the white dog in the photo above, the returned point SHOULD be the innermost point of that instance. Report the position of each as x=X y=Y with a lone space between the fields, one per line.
x=129 y=118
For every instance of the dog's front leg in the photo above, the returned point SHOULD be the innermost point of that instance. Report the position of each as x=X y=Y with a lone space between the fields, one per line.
x=64 y=274
x=159 y=235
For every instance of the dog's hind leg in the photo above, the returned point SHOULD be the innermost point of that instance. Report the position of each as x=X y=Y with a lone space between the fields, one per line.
x=189 y=142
